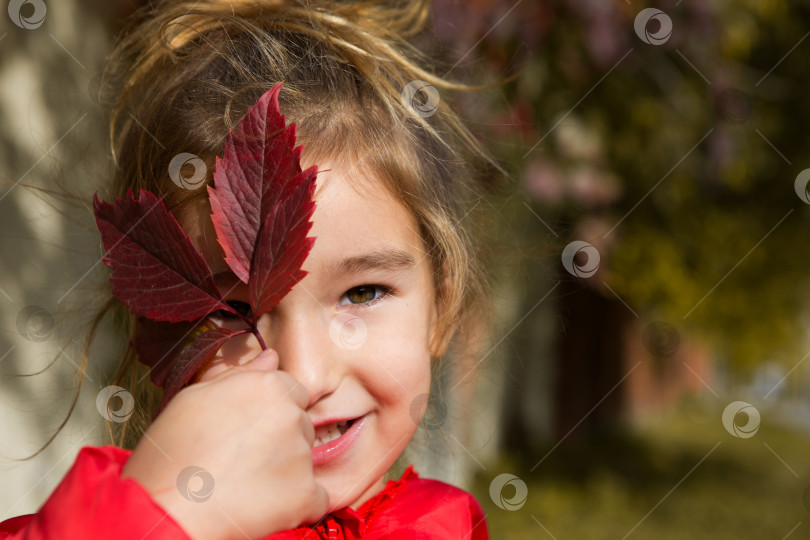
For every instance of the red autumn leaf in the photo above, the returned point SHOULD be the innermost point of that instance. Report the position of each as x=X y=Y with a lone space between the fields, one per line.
x=157 y=343
x=177 y=352
x=191 y=359
x=262 y=205
x=260 y=166
x=156 y=270
x=282 y=247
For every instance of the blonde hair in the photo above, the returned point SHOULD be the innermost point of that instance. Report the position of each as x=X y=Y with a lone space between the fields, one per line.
x=186 y=72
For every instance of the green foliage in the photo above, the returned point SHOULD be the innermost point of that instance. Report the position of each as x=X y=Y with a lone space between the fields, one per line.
x=691 y=149
x=605 y=489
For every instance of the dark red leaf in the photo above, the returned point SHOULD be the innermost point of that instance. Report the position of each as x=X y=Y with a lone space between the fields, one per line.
x=282 y=248
x=262 y=203
x=157 y=343
x=192 y=358
x=260 y=165
x=156 y=270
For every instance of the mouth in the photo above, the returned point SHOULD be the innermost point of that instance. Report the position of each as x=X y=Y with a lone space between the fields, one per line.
x=330 y=432
x=334 y=439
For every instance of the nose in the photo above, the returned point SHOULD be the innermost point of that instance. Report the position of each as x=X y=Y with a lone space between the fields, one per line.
x=305 y=350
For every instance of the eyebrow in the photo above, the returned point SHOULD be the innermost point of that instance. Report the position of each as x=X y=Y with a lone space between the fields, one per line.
x=381 y=259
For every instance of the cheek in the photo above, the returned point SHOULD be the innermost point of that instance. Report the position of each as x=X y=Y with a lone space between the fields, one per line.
x=395 y=359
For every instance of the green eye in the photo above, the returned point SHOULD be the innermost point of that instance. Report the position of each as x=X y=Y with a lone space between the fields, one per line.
x=360 y=295
x=366 y=294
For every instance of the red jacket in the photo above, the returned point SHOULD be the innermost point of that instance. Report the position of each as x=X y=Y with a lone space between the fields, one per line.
x=94 y=502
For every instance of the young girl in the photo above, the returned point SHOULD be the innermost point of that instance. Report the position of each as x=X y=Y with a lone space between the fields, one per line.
x=294 y=441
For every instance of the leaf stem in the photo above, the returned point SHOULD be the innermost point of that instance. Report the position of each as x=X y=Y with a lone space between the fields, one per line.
x=252 y=328
x=255 y=332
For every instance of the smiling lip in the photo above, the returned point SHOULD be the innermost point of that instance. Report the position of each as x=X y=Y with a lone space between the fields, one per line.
x=332 y=450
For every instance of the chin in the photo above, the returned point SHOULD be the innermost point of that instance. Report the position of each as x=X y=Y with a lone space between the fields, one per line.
x=346 y=482
x=344 y=493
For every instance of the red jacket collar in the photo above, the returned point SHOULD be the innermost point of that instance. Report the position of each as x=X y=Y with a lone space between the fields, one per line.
x=347 y=523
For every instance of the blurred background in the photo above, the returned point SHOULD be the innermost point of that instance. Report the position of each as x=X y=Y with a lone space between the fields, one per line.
x=647 y=376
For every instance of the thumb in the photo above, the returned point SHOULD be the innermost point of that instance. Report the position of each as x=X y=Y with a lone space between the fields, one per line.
x=267 y=360
x=319 y=505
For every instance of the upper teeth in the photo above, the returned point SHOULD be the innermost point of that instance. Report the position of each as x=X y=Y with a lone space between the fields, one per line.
x=329 y=432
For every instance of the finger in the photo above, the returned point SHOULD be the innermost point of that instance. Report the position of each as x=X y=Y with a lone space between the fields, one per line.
x=319 y=504
x=309 y=429
x=297 y=391
x=267 y=360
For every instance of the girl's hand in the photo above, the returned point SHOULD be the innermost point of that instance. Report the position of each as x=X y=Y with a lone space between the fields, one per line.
x=248 y=429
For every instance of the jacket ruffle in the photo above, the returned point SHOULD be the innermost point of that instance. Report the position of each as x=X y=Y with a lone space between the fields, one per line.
x=93 y=502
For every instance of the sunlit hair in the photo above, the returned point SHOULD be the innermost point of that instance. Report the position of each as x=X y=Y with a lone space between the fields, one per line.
x=185 y=72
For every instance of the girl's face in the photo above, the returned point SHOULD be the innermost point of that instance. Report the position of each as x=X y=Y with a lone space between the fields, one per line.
x=355 y=331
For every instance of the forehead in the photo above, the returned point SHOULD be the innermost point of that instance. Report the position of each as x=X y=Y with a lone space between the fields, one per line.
x=355 y=208
x=354 y=215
